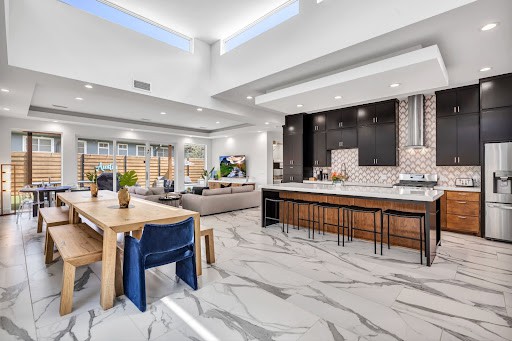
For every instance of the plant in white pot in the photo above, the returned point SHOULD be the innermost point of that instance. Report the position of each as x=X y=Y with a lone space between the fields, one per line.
x=126 y=180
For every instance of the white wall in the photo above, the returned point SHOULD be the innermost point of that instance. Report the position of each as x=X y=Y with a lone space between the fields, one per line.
x=258 y=149
x=70 y=133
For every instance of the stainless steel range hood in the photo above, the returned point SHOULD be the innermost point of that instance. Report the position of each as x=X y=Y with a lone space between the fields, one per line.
x=416 y=123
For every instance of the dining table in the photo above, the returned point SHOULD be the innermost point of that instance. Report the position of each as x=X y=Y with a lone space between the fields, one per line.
x=38 y=194
x=104 y=212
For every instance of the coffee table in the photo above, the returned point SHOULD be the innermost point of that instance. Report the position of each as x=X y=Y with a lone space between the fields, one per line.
x=170 y=200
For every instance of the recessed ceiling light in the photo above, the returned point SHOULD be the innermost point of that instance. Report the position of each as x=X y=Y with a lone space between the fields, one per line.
x=319 y=1
x=259 y=131
x=5 y=90
x=131 y=129
x=199 y=109
x=249 y=97
x=337 y=97
x=79 y=98
x=88 y=86
x=7 y=109
x=394 y=85
x=55 y=121
x=300 y=105
x=267 y=123
x=163 y=113
x=489 y=26
x=487 y=68
x=217 y=122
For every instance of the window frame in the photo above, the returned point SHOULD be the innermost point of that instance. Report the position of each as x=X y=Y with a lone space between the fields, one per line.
x=51 y=139
x=155 y=153
x=119 y=149
x=137 y=149
x=85 y=146
x=107 y=147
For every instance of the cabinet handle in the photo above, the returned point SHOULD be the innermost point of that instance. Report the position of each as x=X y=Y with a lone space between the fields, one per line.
x=462 y=202
x=341 y=124
x=376 y=120
x=342 y=143
x=458 y=108
x=339 y=144
x=454 y=109
x=461 y=217
x=377 y=161
x=458 y=159
x=454 y=159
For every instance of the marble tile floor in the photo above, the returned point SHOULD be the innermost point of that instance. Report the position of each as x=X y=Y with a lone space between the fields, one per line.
x=267 y=285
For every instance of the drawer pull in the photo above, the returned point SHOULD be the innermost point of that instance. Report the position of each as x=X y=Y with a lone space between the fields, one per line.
x=462 y=202
x=461 y=217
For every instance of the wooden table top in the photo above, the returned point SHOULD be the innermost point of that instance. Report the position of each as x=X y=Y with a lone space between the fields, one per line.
x=72 y=198
x=107 y=214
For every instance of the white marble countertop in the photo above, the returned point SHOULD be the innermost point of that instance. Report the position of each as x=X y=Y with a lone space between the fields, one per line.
x=360 y=191
x=348 y=183
x=459 y=189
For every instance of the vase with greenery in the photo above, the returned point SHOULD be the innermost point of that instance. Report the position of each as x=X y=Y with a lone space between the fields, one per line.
x=207 y=175
x=93 y=177
x=126 y=180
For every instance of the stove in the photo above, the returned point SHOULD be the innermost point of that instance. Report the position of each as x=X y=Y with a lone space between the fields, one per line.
x=418 y=181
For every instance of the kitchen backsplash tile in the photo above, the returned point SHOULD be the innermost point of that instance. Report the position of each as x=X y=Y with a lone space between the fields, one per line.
x=409 y=160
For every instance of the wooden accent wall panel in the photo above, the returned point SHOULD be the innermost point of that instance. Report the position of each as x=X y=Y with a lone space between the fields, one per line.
x=401 y=226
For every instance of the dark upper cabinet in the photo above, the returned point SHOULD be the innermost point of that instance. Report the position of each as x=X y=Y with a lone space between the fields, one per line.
x=496 y=124
x=333 y=119
x=446 y=141
x=496 y=92
x=385 y=112
x=366 y=145
x=318 y=122
x=458 y=141
x=366 y=114
x=377 y=145
x=349 y=117
x=292 y=149
x=292 y=174
x=320 y=158
x=468 y=140
x=385 y=145
x=341 y=139
x=446 y=103
x=294 y=124
x=341 y=118
x=465 y=100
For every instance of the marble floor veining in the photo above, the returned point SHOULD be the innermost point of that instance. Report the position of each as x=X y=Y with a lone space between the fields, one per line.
x=267 y=285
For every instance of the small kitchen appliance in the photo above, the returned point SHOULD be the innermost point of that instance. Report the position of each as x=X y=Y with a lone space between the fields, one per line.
x=464 y=182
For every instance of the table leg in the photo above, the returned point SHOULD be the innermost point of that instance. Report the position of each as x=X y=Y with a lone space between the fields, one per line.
x=59 y=202
x=108 y=269
x=197 y=240
x=427 y=232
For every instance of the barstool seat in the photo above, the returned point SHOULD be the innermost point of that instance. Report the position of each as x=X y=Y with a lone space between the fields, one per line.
x=413 y=215
x=372 y=210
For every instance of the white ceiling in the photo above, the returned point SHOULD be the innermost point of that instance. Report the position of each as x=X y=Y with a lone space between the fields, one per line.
x=206 y=20
x=464 y=48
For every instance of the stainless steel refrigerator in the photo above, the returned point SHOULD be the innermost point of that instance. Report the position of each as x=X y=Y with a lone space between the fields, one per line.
x=498 y=191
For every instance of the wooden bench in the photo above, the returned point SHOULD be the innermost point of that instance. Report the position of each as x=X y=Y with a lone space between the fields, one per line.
x=78 y=245
x=209 y=244
x=52 y=216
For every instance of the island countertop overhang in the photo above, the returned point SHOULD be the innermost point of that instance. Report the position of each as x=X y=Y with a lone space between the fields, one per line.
x=406 y=194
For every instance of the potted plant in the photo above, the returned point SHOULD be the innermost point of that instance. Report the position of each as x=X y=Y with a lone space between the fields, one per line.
x=125 y=180
x=93 y=177
x=207 y=175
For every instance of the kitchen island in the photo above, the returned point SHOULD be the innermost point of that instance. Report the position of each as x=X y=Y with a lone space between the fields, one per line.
x=402 y=199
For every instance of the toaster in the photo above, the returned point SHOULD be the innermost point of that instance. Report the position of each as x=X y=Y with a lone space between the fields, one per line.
x=464 y=182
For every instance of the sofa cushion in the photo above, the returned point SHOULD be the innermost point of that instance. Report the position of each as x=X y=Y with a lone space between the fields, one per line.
x=157 y=190
x=217 y=191
x=131 y=189
x=242 y=189
x=141 y=191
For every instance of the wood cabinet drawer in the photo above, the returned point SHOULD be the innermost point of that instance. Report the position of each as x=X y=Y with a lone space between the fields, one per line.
x=463 y=223
x=463 y=207
x=463 y=196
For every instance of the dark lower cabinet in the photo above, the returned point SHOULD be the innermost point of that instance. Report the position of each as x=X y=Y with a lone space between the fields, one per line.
x=377 y=145
x=458 y=140
x=341 y=139
x=292 y=173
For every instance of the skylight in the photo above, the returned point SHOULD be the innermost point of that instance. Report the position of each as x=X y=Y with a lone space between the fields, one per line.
x=271 y=20
x=132 y=21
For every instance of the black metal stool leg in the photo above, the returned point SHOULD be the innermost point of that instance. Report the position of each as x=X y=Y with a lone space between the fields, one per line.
x=389 y=242
x=374 y=233
x=421 y=242
x=265 y=214
x=381 y=232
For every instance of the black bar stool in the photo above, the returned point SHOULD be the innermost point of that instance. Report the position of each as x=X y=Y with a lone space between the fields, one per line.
x=412 y=215
x=276 y=203
x=344 y=225
x=299 y=204
x=374 y=211
x=323 y=207
x=293 y=203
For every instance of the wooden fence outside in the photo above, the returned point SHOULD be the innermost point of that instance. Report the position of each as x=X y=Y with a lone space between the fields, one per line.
x=49 y=165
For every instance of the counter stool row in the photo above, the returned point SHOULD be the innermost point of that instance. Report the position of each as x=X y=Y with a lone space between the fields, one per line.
x=344 y=222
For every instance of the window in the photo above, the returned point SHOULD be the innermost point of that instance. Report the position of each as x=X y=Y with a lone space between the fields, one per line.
x=82 y=147
x=103 y=148
x=121 y=16
x=160 y=151
x=122 y=149
x=140 y=151
x=271 y=20
x=40 y=144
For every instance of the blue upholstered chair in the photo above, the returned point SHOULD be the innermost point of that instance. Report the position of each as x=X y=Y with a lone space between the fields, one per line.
x=159 y=245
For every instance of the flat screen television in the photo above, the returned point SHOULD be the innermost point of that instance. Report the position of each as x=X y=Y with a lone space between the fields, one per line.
x=233 y=166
